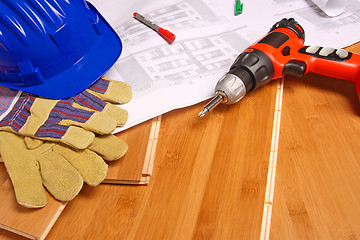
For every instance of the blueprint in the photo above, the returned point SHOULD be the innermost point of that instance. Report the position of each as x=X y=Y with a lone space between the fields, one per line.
x=208 y=39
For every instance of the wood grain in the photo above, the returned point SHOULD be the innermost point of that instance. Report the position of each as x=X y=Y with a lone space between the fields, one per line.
x=208 y=180
x=317 y=180
x=20 y=220
x=134 y=168
x=210 y=174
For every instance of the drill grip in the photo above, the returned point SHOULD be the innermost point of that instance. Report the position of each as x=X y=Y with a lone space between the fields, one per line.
x=254 y=68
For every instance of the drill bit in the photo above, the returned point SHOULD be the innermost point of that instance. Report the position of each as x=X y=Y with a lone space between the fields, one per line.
x=212 y=104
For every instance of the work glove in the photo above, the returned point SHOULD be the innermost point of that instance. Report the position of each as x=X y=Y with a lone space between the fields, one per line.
x=26 y=121
x=61 y=169
x=72 y=121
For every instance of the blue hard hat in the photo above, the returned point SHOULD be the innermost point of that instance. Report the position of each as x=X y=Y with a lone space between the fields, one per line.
x=54 y=48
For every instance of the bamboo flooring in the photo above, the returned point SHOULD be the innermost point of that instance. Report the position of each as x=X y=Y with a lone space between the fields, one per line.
x=317 y=188
x=281 y=164
x=134 y=168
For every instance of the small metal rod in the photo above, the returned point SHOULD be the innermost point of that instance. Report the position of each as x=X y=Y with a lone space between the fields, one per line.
x=211 y=105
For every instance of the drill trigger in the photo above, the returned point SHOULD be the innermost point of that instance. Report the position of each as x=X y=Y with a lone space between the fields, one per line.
x=294 y=67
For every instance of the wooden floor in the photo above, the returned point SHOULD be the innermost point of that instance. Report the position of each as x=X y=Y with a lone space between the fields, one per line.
x=214 y=177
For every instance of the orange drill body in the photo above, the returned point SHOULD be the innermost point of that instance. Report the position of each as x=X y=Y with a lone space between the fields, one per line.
x=331 y=65
x=279 y=53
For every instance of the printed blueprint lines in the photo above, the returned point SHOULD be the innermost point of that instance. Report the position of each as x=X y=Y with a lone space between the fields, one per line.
x=178 y=16
x=183 y=61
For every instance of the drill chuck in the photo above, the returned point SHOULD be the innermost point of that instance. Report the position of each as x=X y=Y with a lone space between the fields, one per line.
x=231 y=87
x=229 y=90
x=250 y=71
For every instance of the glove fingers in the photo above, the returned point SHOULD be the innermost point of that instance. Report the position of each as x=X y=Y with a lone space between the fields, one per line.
x=112 y=91
x=32 y=143
x=61 y=120
x=94 y=101
x=90 y=118
x=116 y=113
x=81 y=142
x=46 y=114
x=97 y=123
x=23 y=171
x=119 y=114
x=88 y=163
x=28 y=187
x=90 y=166
x=59 y=177
x=109 y=147
x=76 y=137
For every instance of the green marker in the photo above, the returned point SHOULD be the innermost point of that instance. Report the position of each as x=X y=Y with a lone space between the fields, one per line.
x=238 y=7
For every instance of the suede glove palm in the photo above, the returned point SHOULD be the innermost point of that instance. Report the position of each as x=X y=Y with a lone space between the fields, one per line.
x=59 y=168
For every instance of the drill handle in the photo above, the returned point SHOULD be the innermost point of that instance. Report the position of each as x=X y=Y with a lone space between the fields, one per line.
x=336 y=63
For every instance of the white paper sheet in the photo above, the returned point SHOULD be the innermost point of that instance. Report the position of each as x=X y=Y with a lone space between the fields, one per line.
x=208 y=39
x=331 y=7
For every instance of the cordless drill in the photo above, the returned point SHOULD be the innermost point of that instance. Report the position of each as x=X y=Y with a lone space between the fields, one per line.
x=279 y=53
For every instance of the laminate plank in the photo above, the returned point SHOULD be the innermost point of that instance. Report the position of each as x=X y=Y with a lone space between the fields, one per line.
x=30 y=223
x=208 y=180
x=134 y=168
x=209 y=176
x=317 y=178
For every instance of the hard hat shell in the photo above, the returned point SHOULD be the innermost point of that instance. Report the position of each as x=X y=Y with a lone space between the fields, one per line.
x=54 y=48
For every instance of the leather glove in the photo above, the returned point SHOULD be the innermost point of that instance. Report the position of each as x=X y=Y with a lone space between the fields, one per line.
x=72 y=121
x=26 y=121
x=59 y=168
